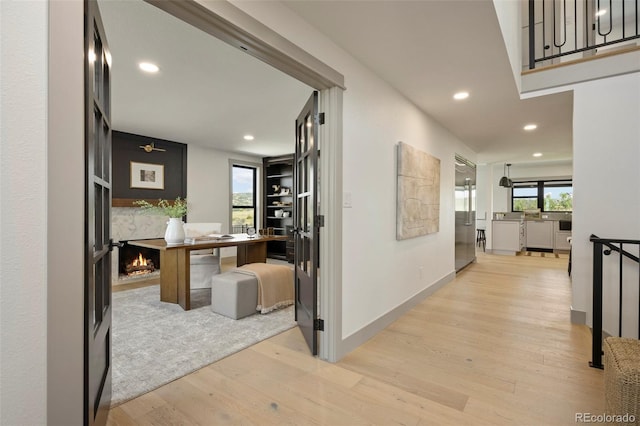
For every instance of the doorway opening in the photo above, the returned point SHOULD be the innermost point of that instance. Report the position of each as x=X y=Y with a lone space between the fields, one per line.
x=157 y=128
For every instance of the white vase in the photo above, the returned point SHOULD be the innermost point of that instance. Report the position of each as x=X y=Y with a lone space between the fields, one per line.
x=175 y=231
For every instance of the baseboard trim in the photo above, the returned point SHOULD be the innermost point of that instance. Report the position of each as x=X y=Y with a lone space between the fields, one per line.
x=367 y=332
x=578 y=317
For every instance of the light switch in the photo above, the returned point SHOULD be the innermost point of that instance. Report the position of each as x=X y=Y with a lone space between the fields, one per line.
x=346 y=200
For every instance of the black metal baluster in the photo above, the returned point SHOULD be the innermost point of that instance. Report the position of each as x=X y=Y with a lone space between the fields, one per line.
x=596 y=343
x=544 y=27
x=563 y=26
x=575 y=27
x=532 y=36
x=621 y=258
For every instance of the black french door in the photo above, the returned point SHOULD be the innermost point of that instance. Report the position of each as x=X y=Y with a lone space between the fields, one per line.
x=306 y=221
x=97 y=287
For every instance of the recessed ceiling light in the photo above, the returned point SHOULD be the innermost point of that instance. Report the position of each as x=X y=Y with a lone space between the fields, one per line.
x=248 y=137
x=530 y=127
x=537 y=154
x=148 y=67
x=461 y=95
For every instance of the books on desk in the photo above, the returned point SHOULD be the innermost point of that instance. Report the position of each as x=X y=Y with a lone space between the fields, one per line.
x=210 y=237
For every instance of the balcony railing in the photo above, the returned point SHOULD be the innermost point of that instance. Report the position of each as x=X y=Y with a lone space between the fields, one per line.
x=569 y=29
x=628 y=298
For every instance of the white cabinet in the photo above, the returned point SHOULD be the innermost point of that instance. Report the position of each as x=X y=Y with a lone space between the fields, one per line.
x=507 y=236
x=561 y=242
x=540 y=234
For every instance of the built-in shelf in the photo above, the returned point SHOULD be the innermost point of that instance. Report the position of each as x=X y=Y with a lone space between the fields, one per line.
x=278 y=175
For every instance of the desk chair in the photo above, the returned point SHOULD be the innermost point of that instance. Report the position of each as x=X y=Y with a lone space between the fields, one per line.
x=204 y=263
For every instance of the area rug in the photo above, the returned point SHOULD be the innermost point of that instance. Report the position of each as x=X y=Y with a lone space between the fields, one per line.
x=154 y=343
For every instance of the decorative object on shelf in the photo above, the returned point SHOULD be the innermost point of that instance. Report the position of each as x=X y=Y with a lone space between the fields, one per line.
x=505 y=180
x=278 y=213
x=176 y=210
x=285 y=191
x=285 y=214
x=147 y=176
x=276 y=189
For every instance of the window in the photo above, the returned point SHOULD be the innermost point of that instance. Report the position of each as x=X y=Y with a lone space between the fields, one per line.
x=558 y=196
x=243 y=197
x=525 y=196
x=548 y=196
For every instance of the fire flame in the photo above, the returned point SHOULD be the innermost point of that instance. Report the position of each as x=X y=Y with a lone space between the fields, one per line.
x=140 y=261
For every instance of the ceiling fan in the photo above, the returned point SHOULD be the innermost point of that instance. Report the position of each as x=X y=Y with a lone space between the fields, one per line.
x=151 y=147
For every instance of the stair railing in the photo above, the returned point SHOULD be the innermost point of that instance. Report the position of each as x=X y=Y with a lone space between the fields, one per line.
x=559 y=28
x=604 y=247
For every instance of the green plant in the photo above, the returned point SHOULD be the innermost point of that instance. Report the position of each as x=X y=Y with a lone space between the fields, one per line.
x=177 y=208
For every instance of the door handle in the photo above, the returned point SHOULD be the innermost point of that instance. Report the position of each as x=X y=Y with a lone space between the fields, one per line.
x=113 y=244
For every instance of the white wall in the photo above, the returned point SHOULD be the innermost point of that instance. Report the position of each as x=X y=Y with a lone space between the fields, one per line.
x=484 y=197
x=509 y=17
x=208 y=185
x=606 y=132
x=23 y=212
x=379 y=273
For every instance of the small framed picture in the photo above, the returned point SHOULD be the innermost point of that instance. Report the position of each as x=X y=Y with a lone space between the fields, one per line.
x=147 y=176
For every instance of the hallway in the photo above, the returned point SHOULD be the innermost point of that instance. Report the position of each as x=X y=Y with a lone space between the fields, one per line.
x=495 y=346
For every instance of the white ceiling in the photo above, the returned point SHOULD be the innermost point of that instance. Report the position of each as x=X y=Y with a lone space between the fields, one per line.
x=206 y=92
x=211 y=94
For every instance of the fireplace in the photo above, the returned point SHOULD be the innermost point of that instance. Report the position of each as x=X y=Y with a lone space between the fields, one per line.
x=130 y=223
x=137 y=261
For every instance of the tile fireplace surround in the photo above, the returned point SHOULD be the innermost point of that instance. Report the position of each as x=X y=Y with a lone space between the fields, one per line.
x=130 y=223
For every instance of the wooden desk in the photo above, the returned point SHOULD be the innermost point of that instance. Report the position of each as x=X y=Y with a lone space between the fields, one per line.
x=175 y=264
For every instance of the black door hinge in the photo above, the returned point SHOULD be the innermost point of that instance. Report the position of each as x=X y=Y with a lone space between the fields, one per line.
x=321 y=118
x=318 y=324
x=320 y=221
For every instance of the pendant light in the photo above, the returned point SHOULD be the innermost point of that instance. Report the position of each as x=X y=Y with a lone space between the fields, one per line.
x=506 y=181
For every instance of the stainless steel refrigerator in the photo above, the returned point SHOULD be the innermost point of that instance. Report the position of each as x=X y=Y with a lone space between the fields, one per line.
x=465 y=212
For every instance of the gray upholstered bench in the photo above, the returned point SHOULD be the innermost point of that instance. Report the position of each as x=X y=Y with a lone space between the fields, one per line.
x=234 y=295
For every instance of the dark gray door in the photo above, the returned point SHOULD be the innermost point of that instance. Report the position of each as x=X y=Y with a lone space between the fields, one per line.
x=305 y=221
x=97 y=287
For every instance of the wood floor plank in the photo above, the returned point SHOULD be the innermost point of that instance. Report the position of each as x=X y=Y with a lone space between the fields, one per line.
x=493 y=347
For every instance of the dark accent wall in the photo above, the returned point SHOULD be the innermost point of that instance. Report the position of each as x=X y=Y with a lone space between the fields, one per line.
x=126 y=148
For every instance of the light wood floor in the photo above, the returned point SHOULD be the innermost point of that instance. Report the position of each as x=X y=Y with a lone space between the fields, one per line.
x=493 y=347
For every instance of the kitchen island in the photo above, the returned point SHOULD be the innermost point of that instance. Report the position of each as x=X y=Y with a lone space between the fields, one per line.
x=510 y=236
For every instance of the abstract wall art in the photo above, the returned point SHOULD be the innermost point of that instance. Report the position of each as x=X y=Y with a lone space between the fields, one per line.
x=418 y=193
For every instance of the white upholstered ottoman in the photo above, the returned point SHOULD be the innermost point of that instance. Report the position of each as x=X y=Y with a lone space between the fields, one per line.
x=234 y=295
